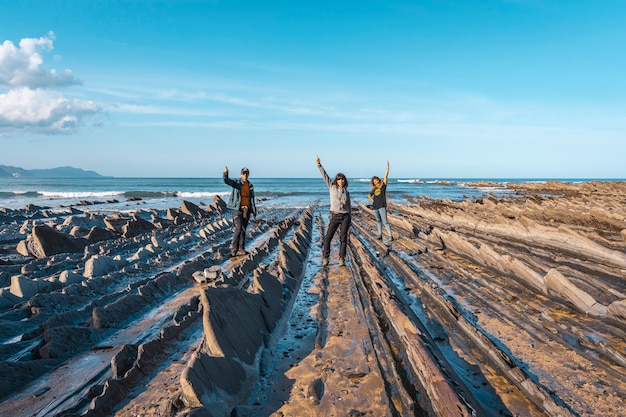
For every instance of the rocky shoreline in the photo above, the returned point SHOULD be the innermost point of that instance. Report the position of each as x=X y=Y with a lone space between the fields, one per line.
x=503 y=306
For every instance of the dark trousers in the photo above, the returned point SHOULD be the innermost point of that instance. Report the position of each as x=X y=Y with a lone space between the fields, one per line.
x=240 y=224
x=341 y=221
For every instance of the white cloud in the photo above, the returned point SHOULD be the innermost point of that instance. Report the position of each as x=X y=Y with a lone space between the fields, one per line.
x=31 y=102
x=42 y=111
x=22 y=66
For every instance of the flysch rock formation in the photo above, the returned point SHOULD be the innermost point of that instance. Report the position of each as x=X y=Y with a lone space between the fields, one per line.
x=491 y=306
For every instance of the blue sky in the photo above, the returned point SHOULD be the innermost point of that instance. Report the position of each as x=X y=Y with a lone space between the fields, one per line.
x=441 y=89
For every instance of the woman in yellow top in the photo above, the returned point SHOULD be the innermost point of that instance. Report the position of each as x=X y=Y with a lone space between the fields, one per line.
x=378 y=197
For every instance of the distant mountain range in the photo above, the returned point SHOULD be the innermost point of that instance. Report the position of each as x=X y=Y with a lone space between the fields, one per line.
x=60 y=172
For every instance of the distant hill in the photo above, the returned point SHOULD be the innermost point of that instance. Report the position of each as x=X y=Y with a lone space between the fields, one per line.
x=60 y=172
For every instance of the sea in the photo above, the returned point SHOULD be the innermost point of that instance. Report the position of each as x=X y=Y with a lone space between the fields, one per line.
x=129 y=194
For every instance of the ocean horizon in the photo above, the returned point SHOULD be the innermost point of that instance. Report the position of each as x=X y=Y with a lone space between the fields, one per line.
x=113 y=193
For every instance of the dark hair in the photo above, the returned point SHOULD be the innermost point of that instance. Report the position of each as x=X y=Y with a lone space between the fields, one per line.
x=340 y=176
x=374 y=178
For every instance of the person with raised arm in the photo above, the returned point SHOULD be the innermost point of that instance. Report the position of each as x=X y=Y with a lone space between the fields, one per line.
x=243 y=205
x=378 y=197
x=340 y=214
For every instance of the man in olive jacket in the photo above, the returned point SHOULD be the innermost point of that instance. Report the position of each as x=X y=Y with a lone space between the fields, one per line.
x=243 y=205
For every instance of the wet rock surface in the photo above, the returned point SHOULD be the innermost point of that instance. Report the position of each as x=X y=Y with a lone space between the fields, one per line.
x=493 y=306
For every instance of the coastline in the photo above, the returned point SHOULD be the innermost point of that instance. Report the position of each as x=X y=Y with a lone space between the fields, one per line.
x=111 y=194
x=536 y=273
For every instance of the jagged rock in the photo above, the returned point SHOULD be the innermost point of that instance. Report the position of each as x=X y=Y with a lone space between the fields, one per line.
x=7 y=299
x=22 y=248
x=461 y=246
x=98 y=234
x=22 y=373
x=136 y=226
x=271 y=289
x=180 y=239
x=204 y=234
x=290 y=258
x=141 y=254
x=115 y=313
x=78 y=231
x=160 y=222
x=177 y=216
x=206 y=375
x=152 y=249
x=115 y=223
x=26 y=227
x=186 y=271
x=193 y=210
x=123 y=361
x=86 y=222
x=232 y=324
x=32 y=208
x=46 y=241
x=531 y=233
x=24 y=287
x=618 y=309
x=559 y=285
x=69 y=277
x=62 y=341
x=99 y=265
x=5 y=278
x=522 y=271
x=435 y=240
x=172 y=213
x=219 y=204
x=157 y=241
